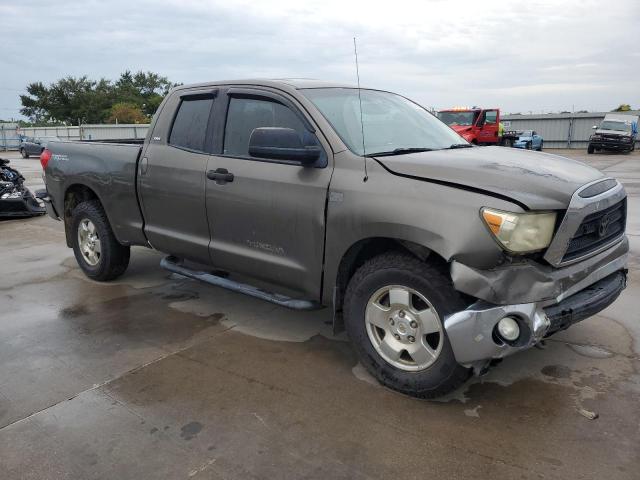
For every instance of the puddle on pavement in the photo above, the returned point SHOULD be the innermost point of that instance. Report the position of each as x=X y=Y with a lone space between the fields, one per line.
x=591 y=351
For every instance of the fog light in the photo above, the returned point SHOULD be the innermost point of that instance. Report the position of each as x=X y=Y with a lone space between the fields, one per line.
x=509 y=329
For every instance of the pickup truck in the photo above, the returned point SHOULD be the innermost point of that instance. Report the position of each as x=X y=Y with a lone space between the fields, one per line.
x=436 y=256
x=617 y=132
x=476 y=125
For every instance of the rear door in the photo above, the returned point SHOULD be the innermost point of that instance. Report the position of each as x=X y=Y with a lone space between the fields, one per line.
x=268 y=221
x=489 y=131
x=172 y=176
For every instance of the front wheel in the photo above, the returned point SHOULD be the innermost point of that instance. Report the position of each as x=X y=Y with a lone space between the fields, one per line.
x=98 y=253
x=24 y=153
x=394 y=310
x=540 y=147
x=590 y=149
x=528 y=146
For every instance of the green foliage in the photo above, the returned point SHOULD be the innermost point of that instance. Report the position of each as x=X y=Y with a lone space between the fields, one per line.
x=71 y=100
x=127 y=113
x=623 y=107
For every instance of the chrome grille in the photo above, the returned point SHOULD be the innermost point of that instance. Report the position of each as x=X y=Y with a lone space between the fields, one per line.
x=579 y=234
x=596 y=230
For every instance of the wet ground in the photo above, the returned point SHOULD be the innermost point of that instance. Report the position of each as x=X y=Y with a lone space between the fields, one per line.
x=154 y=376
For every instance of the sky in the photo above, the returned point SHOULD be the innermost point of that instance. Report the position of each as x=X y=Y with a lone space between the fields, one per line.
x=534 y=56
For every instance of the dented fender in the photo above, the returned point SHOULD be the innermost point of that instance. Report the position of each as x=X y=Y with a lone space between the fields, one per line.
x=531 y=281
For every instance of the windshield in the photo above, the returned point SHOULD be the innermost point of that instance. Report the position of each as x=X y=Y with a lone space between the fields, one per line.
x=614 y=125
x=526 y=133
x=458 y=118
x=390 y=122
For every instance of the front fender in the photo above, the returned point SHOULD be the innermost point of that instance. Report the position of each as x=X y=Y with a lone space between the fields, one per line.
x=444 y=219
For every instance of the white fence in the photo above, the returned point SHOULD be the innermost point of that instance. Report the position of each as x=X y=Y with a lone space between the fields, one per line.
x=9 y=138
x=10 y=133
x=559 y=130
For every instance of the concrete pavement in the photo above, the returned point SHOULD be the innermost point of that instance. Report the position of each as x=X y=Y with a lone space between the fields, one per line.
x=155 y=376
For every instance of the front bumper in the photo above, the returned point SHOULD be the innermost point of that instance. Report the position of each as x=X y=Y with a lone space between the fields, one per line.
x=605 y=145
x=520 y=145
x=544 y=300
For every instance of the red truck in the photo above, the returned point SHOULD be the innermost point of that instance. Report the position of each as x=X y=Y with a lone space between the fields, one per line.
x=476 y=125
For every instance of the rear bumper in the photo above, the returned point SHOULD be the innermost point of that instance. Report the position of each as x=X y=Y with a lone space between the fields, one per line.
x=48 y=203
x=548 y=300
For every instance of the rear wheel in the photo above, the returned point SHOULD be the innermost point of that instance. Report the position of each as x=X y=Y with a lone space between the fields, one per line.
x=98 y=253
x=394 y=309
x=540 y=147
x=24 y=153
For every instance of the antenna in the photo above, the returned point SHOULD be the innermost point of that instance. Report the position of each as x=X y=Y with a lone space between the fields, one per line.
x=364 y=150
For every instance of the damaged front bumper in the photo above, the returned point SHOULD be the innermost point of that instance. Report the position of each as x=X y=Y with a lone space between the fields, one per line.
x=548 y=300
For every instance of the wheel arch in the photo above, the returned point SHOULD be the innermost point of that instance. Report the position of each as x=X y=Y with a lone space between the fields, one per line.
x=74 y=195
x=365 y=249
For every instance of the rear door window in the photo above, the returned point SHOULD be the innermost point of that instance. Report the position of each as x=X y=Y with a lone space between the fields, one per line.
x=189 y=129
x=246 y=114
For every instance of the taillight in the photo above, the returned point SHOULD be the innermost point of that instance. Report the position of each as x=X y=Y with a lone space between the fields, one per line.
x=45 y=156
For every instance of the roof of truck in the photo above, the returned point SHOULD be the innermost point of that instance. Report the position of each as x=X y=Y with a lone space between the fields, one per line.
x=296 y=83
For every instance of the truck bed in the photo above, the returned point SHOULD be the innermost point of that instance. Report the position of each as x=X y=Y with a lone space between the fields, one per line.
x=109 y=170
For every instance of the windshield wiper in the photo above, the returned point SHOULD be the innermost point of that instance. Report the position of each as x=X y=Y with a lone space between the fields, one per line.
x=399 y=151
x=461 y=145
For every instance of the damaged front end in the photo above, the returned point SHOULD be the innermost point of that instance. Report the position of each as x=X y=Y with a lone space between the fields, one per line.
x=16 y=200
x=520 y=303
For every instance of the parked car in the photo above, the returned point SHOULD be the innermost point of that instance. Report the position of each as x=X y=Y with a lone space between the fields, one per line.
x=617 y=132
x=530 y=140
x=436 y=256
x=34 y=145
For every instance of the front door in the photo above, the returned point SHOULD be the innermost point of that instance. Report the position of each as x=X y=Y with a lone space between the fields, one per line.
x=489 y=130
x=172 y=178
x=267 y=217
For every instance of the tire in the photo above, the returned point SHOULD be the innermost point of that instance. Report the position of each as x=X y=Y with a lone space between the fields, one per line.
x=24 y=153
x=397 y=271
x=528 y=146
x=113 y=258
x=540 y=147
x=590 y=149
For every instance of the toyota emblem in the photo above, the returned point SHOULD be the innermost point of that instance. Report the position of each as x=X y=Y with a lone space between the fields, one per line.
x=603 y=226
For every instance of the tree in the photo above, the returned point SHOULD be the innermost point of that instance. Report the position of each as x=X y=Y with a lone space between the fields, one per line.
x=72 y=100
x=126 y=113
x=623 y=107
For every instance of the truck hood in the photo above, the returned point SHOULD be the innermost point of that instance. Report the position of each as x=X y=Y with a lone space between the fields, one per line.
x=618 y=133
x=460 y=128
x=540 y=181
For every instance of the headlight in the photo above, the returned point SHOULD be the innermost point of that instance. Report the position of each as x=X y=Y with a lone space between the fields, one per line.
x=595 y=137
x=520 y=232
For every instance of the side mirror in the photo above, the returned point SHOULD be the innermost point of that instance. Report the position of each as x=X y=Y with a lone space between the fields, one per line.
x=281 y=144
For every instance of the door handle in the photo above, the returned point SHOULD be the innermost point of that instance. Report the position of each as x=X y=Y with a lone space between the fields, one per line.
x=220 y=175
